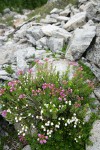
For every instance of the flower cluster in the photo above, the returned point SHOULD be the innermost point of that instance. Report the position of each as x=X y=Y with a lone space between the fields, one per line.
x=2 y=91
x=51 y=105
x=42 y=139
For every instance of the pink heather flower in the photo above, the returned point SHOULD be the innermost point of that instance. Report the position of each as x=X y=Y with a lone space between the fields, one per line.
x=60 y=99
x=30 y=71
x=20 y=72
x=65 y=99
x=37 y=60
x=4 y=113
x=44 y=141
x=12 y=89
x=2 y=91
x=39 y=135
x=22 y=96
x=46 y=137
x=41 y=141
x=46 y=59
x=73 y=63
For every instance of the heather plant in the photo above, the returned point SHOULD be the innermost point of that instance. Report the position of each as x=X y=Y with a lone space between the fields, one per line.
x=50 y=108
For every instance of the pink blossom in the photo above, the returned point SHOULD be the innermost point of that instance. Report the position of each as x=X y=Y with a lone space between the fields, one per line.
x=46 y=59
x=46 y=137
x=30 y=71
x=41 y=141
x=44 y=141
x=22 y=96
x=20 y=72
x=2 y=91
x=12 y=89
x=39 y=135
x=60 y=99
x=4 y=113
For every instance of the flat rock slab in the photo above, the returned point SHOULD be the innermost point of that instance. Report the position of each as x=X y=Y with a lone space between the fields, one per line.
x=95 y=138
x=76 y=21
x=81 y=40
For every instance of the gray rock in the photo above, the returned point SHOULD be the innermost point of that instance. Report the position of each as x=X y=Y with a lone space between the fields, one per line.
x=95 y=137
x=97 y=93
x=92 y=9
x=55 y=11
x=35 y=32
x=42 y=42
x=81 y=40
x=76 y=21
x=54 y=31
x=93 y=55
x=6 y=10
x=48 y=20
x=66 y=12
x=55 y=44
x=27 y=147
x=62 y=18
x=30 y=39
x=82 y=1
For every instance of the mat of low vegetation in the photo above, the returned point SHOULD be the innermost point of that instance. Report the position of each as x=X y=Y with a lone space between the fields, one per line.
x=49 y=109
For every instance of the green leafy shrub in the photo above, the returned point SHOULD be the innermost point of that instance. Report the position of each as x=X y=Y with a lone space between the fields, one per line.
x=49 y=108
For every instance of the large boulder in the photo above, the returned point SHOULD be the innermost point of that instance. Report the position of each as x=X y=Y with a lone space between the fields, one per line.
x=81 y=40
x=76 y=21
x=93 y=55
x=95 y=137
x=35 y=32
x=54 y=31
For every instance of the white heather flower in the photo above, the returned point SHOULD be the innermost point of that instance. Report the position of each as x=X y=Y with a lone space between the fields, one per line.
x=74 y=126
x=26 y=105
x=25 y=130
x=41 y=117
x=20 y=118
x=23 y=134
x=16 y=107
x=52 y=124
x=79 y=137
x=59 y=106
x=69 y=102
x=66 y=102
x=62 y=118
x=65 y=124
x=46 y=124
x=68 y=121
x=59 y=118
x=9 y=110
x=42 y=127
x=74 y=114
x=29 y=114
x=37 y=117
x=57 y=126
x=41 y=111
x=50 y=110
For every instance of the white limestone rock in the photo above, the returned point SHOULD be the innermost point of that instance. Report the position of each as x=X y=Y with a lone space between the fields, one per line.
x=55 y=44
x=76 y=21
x=81 y=40
x=54 y=31
x=95 y=137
